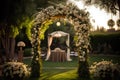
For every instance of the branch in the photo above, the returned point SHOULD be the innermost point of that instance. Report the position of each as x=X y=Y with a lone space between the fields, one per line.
x=58 y=5
x=116 y=8
x=52 y=3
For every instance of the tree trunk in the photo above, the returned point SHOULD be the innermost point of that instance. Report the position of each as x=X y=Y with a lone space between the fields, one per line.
x=8 y=45
x=5 y=43
x=12 y=48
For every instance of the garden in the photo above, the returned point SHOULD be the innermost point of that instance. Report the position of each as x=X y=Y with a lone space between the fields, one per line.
x=68 y=70
x=56 y=43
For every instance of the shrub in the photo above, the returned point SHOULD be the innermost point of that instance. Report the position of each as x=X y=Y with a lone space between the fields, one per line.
x=105 y=70
x=15 y=71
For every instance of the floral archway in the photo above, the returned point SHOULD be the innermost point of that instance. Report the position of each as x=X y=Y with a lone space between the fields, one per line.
x=72 y=14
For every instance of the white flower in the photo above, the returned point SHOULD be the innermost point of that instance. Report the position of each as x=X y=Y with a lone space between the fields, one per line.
x=12 y=68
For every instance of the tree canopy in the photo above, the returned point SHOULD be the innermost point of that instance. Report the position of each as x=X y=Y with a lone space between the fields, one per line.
x=13 y=16
x=109 y=5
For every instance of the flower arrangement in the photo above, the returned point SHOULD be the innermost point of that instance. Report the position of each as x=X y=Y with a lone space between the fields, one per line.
x=15 y=71
x=105 y=70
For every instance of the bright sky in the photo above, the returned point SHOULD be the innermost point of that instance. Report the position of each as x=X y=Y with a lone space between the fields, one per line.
x=98 y=17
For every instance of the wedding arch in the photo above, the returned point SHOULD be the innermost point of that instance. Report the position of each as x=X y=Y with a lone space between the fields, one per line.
x=58 y=34
x=69 y=13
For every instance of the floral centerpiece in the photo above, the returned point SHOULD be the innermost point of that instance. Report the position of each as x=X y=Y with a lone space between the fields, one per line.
x=15 y=71
x=105 y=70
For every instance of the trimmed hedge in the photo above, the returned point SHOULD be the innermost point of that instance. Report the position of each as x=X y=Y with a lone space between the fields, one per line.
x=112 y=39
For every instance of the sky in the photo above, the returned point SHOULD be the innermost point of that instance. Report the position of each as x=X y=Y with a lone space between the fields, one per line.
x=98 y=17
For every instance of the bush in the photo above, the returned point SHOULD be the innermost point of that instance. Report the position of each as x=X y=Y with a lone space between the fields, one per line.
x=105 y=70
x=15 y=71
x=102 y=38
x=27 y=52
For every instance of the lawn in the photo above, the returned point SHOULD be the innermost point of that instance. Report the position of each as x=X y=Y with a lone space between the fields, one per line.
x=68 y=70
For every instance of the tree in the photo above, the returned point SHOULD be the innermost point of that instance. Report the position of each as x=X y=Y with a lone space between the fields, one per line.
x=111 y=23
x=109 y=5
x=45 y=3
x=14 y=15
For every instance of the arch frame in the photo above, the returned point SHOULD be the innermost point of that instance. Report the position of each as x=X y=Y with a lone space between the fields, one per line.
x=80 y=20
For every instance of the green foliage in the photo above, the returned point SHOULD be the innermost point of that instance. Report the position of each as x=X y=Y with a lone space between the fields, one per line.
x=75 y=38
x=81 y=26
x=43 y=28
x=27 y=24
x=36 y=64
x=28 y=29
x=14 y=31
x=83 y=70
x=27 y=52
x=110 y=38
x=111 y=6
x=68 y=75
x=36 y=67
x=51 y=72
x=14 y=15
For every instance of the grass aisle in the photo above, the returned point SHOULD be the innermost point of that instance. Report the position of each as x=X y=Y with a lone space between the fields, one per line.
x=67 y=70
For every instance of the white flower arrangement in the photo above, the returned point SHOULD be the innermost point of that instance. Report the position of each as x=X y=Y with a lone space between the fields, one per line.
x=15 y=71
x=105 y=70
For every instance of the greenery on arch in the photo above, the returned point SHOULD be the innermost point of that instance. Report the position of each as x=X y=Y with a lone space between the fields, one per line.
x=80 y=20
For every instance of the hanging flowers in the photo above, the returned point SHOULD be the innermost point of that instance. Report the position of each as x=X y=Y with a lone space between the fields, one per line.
x=118 y=22
x=111 y=23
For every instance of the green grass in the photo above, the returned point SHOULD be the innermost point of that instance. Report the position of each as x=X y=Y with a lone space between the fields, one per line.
x=72 y=63
x=50 y=72
x=69 y=75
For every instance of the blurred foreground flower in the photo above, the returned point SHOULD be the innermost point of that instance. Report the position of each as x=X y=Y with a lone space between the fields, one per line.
x=105 y=70
x=15 y=71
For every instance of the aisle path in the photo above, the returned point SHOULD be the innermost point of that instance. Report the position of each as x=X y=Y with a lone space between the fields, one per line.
x=59 y=67
x=54 y=67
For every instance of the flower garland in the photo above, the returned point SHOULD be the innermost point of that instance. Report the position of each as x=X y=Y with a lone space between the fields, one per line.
x=77 y=17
